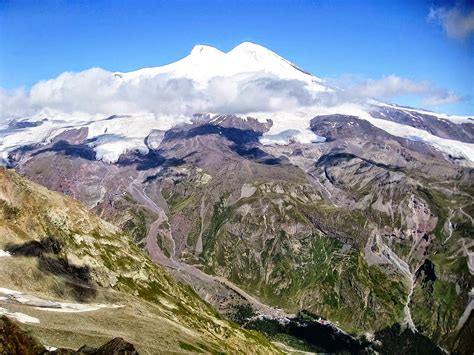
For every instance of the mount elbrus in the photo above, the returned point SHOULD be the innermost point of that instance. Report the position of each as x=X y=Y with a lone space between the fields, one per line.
x=279 y=200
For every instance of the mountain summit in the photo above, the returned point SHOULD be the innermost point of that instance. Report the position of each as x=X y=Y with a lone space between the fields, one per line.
x=120 y=110
x=205 y=63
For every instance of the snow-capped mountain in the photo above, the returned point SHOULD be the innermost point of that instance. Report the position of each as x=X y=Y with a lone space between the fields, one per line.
x=206 y=63
x=121 y=109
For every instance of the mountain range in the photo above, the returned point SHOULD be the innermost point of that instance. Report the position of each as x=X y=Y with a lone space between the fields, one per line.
x=246 y=202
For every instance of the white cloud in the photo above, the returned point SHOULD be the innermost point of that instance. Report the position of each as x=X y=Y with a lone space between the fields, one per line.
x=389 y=86
x=14 y=103
x=393 y=86
x=441 y=98
x=97 y=92
x=458 y=21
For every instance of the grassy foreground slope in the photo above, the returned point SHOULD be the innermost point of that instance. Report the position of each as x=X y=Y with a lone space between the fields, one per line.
x=62 y=252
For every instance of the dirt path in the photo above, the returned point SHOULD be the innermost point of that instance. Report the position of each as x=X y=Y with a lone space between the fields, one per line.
x=151 y=244
x=449 y=226
x=469 y=254
x=467 y=311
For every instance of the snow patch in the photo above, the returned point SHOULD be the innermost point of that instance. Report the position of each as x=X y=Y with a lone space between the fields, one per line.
x=4 y=253
x=453 y=118
x=78 y=307
x=20 y=317
x=7 y=291
x=53 y=306
x=289 y=136
x=300 y=120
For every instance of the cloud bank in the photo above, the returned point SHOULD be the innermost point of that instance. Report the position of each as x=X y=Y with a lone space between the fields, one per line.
x=97 y=92
x=391 y=87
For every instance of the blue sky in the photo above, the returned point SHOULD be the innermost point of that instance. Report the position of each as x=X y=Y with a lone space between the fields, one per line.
x=331 y=39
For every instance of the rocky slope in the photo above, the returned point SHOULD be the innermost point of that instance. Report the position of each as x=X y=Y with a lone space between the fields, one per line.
x=366 y=229
x=14 y=340
x=74 y=279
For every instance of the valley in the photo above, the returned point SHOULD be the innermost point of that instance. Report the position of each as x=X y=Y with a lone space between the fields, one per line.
x=344 y=228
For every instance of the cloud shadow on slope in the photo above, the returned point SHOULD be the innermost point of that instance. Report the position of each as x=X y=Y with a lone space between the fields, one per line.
x=77 y=279
x=244 y=141
x=153 y=159
x=73 y=150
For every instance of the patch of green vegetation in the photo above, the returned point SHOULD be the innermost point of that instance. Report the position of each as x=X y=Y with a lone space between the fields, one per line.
x=400 y=247
x=178 y=198
x=193 y=235
x=437 y=308
x=259 y=250
x=242 y=313
x=137 y=218
x=339 y=286
x=219 y=217
x=161 y=243
x=301 y=270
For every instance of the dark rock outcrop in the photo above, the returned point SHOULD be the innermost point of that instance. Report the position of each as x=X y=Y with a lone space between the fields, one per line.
x=16 y=341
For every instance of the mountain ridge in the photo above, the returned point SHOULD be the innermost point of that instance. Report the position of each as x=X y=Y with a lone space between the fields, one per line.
x=121 y=109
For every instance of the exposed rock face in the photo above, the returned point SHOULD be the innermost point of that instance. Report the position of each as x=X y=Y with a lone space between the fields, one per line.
x=339 y=228
x=16 y=341
x=370 y=141
x=13 y=340
x=443 y=128
x=116 y=346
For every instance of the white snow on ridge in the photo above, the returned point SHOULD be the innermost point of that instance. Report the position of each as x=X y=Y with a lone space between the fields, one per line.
x=13 y=296
x=121 y=134
x=449 y=146
x=453 y=118
x=288 y=127
x=114 y=136
x=7 y=291
x=284 y=121
x=78 y=307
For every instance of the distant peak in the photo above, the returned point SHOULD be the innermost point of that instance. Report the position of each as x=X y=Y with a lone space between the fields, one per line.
x=249 y=47
x=203 y=49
